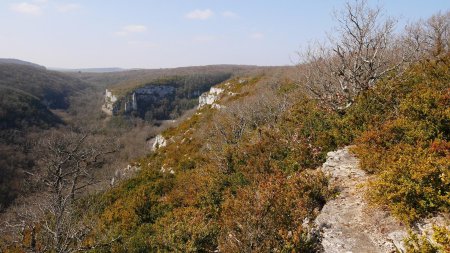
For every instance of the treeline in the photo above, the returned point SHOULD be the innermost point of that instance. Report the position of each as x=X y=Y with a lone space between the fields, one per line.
x=132 y=78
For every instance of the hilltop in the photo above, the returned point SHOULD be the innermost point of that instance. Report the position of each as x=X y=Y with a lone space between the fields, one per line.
x=133 y=77
x=20 y=62
x=51 y=87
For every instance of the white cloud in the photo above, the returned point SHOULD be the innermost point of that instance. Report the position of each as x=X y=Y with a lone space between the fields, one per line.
x=257 y=35
x=27 y=8
x=68 y=7
x=129 y=29
x=200 y=14
x=40 y=1
x=229 y=14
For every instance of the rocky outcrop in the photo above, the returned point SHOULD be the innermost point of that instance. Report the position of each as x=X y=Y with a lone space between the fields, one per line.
x=210 y=97
x=166 y=170
x=347 y=223
x=158 y=142
x=136 y=100
x=109 y=106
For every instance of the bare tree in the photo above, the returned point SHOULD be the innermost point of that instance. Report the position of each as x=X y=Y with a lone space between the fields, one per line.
x=352 y=60
x=231 y=124
x=430 y=37
x=66 y=163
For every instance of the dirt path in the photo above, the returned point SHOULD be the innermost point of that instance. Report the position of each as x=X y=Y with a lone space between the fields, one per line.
x=347 y=223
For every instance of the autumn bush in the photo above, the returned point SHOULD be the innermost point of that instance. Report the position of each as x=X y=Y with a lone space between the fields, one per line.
x=414 y=183
x=440 y=241
x=404 y=139
x=271 y=215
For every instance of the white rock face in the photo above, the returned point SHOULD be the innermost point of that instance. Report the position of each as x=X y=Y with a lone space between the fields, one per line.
x=209 y=98
x=108 y=106
x=217 y=106
x=131 y=101
x=159 y=142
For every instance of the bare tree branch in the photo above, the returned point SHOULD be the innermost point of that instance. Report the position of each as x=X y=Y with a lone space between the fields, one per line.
x=66 y=163
x=361 y=53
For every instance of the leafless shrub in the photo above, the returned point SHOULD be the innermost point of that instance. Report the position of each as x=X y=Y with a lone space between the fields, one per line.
x=234 y=122
x=65 y=165
x=430 y=37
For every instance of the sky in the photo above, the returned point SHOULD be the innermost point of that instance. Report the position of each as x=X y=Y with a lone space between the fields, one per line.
x=174 y=33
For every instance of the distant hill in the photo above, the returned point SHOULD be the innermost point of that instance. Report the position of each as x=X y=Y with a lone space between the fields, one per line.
x=136 y=77
x=29 y=92
x=19 y=109
x=90 y=70
x=50 y=87
x=20 y=62
x=161 y=94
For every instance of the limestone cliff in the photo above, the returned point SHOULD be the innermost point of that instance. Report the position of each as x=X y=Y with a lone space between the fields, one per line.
x=135 y=100
x=109 y=106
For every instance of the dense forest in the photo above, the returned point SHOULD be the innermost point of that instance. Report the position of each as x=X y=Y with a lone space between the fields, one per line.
x=243 y=177
x=28 y=93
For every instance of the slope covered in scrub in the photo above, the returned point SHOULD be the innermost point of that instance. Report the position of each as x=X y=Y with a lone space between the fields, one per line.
x=245 y=177
x=221 y=173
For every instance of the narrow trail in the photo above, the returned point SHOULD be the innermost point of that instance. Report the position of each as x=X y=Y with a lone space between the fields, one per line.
x=347 y=223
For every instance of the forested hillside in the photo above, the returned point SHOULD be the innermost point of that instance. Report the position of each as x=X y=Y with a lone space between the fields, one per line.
x=51 y=87
x=132 y=78
x=235 y=179
x=19 y=110
x=28 y=92
x=20 y=62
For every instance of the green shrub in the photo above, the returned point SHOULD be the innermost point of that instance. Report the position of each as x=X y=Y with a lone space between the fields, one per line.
x=421 y=244
x=413 y=183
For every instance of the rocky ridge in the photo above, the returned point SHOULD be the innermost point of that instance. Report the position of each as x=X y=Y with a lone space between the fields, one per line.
x=348 y=223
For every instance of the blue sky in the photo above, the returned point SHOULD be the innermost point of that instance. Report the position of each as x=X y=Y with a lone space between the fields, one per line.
x=172 y=33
